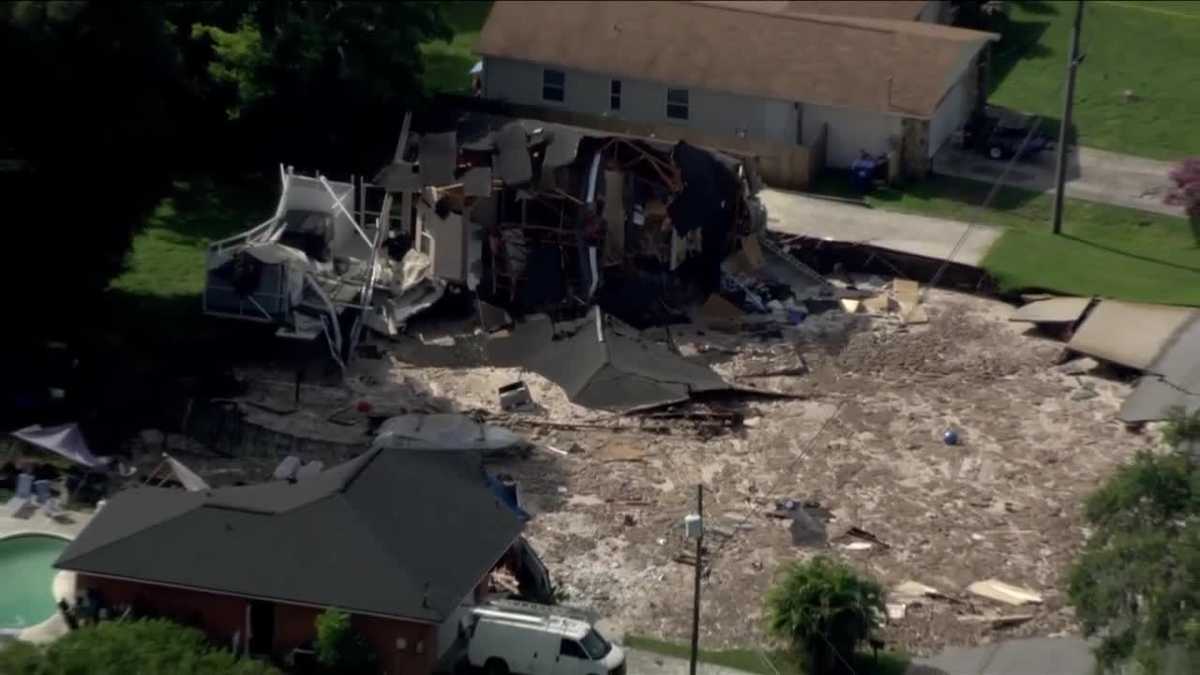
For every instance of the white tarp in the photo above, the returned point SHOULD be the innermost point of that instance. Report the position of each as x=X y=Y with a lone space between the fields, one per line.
x=65 y=439
x=191 y=481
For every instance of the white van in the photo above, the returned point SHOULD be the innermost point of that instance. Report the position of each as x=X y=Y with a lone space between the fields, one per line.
x=504 y=642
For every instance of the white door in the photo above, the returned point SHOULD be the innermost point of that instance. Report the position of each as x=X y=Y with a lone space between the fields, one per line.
x=572 y=660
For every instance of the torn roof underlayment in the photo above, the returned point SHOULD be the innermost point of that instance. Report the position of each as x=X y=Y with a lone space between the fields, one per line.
x=865 y=63
x=601 y=367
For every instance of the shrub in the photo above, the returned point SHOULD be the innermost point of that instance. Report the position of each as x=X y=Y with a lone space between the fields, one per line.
x=146 y=647
x=824 y=609
x=1136 y=584
x=341 y=649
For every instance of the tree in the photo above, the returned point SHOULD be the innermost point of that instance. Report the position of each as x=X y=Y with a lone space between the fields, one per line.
x=340 y=648
x=1186 y=191
x=322 y=83
x=88 y=120
x=146 y=647
x=824 y=609
x=1136 y=583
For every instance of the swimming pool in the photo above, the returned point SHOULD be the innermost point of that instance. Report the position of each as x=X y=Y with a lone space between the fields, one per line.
x=26 y=577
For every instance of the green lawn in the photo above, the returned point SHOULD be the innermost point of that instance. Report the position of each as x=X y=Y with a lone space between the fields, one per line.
x=1104 y=250
x=1150 y=48
x=448 y=64
x=154 y=305
x=167 y=259
x=755 y=661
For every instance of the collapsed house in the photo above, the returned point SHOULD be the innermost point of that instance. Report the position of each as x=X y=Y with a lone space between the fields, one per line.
x=535 y=216
x=330 y=260
x=530 y=216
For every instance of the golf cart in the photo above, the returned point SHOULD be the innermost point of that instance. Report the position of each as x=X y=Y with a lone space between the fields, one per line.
x=998 y=134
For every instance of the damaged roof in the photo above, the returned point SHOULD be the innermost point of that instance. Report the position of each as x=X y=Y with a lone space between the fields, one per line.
x=876 y=64
x=1171 y=381
x=599 y=367
x=397 y=533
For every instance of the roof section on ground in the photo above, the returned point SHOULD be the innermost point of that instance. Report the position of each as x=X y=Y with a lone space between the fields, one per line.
x=394 y=532
x=865 y=63
x=1052 y=310
x=1129 y=333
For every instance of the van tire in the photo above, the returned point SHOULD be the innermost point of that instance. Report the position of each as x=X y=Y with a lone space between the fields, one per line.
x=495 y=667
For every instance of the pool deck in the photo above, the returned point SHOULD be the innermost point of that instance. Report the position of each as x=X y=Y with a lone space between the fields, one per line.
x=64 y=582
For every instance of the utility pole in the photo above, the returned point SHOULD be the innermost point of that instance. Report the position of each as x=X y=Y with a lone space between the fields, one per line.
x=696 y=588
x=1060 y=174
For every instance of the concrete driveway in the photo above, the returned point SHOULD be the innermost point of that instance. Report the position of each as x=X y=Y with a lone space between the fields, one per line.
x=1094 y=175
x=1040 y=656
x=794 y=213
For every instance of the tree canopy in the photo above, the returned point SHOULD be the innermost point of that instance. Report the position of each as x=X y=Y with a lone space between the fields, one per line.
x=108 y=99
x=146 y=647
x=1137 y=582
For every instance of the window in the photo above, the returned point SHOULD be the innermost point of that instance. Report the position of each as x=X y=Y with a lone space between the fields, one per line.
x=614 y=95
x=572 y=649
x=554 y=85
x=677 y=104
x=595 y=645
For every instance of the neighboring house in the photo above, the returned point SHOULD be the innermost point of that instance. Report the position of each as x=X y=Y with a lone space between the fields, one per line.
x=402 y=540
x=760 y=77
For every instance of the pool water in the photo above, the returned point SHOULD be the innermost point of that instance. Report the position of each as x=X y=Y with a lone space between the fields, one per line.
x=26 y=577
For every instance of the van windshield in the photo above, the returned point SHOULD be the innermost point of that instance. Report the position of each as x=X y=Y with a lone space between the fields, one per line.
x=595 y=645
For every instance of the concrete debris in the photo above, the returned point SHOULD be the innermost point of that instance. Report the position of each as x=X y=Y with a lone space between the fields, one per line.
x=914 y=590
x=1006 y=593
x=896 y=610
x=1081 y=366
x=996 y=620
x=1052 y=310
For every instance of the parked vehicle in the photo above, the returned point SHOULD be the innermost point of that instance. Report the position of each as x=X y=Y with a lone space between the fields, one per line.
x=503 y=641
x=999 y=137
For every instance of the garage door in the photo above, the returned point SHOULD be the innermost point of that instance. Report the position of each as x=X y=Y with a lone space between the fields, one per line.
x=950 y=117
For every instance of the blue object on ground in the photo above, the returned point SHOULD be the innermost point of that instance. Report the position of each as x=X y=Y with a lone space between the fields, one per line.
x=950 y=437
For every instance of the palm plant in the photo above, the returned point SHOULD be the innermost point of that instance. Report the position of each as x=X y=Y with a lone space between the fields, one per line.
x=824 y=609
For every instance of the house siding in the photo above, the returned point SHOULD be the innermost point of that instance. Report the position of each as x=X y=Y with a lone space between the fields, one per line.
x=643 y=101
x=221 y=616
x=851 y=131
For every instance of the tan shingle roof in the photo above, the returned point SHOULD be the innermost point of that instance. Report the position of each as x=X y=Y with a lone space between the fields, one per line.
x=904 y=10
x=882 y=65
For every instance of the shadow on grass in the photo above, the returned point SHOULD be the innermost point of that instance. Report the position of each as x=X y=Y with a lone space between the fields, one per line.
x=1127 y=254
x=1019 y=40
x=968 y=193
x=201 y=209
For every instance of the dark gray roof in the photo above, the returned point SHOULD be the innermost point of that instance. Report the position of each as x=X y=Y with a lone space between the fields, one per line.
x=619 y=372
x=395 y=532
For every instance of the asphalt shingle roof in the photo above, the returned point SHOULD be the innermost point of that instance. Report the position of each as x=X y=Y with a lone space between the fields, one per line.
x=772 y=50
x=394 y=532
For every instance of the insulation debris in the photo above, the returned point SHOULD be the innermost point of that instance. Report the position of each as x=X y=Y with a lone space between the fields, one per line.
x=1006 y=593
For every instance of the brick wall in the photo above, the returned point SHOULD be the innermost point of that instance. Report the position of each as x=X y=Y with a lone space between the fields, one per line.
x=403 y=647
